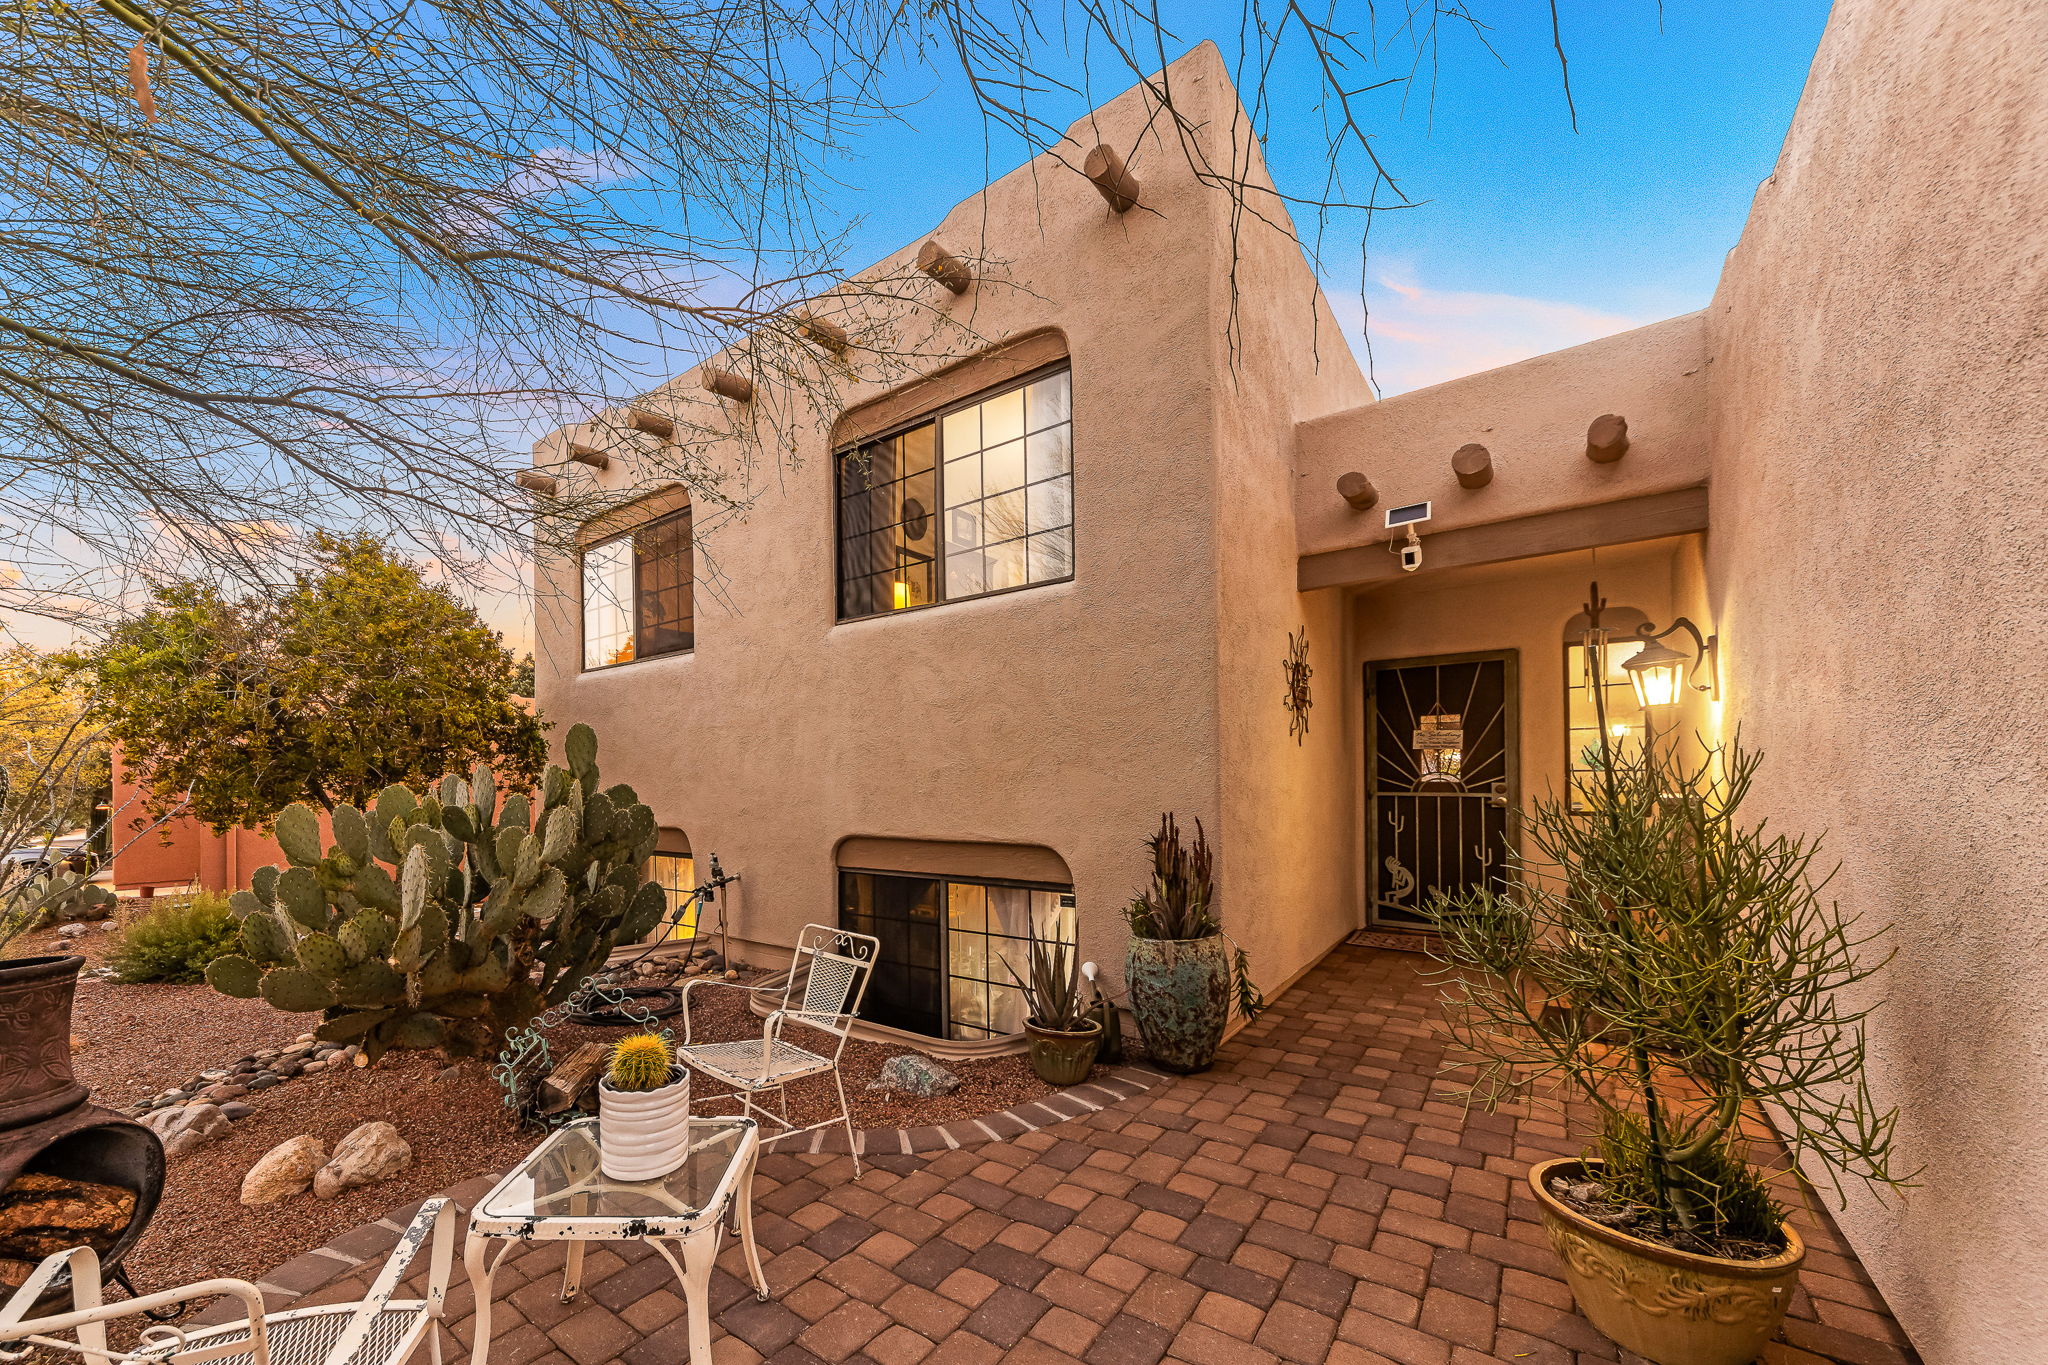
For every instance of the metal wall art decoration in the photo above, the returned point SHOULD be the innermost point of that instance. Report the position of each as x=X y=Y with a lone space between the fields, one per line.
x=1297 y=700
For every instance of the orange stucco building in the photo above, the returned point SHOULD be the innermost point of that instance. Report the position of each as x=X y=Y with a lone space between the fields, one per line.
x=986 y=618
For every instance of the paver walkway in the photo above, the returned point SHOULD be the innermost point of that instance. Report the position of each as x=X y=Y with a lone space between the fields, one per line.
x=1307 y=1200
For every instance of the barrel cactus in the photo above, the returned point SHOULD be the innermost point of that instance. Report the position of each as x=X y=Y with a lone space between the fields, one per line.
x=641 y=1062
x=448 y=919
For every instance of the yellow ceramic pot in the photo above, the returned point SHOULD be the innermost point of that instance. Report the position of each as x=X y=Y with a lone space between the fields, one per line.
x=1669 y=1306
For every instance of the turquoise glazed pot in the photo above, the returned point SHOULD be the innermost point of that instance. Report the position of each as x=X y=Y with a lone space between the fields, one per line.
x=1180 y=995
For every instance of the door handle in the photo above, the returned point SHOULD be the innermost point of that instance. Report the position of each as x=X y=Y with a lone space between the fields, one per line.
x=1500 y=793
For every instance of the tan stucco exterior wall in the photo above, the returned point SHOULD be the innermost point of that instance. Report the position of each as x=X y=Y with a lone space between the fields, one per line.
x=1532 y=418
x=1879 y=409
x=1066 y=716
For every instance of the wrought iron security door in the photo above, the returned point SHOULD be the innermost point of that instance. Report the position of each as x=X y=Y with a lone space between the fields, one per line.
x=1440 y=774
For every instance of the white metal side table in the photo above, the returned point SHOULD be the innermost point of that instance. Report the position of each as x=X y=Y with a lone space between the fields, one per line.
x=558 y=1194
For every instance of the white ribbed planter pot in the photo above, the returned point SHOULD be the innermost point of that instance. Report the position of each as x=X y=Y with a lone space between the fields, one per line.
x=643 y=1134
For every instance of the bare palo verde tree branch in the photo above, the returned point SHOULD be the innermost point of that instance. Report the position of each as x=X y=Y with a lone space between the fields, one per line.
x=269 y=269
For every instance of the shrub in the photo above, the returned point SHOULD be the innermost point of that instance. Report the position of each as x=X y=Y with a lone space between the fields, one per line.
x=174 y=942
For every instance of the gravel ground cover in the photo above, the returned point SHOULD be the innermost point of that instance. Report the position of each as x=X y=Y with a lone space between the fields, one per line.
x=133 y=1041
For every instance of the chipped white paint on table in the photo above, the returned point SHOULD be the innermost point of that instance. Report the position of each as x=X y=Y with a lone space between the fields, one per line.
x=558 y=1194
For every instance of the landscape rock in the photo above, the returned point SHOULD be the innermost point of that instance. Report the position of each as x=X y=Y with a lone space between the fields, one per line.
x=915 y=1075
x=187 y=1127
x=72 y=930
x=284 y=1170
x=263 y=1080
x=371 y=1153
x=235 y=1109
x=220 y=1094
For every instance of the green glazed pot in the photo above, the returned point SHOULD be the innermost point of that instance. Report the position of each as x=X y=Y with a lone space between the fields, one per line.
x=1180 y=996
x=1062 y=1058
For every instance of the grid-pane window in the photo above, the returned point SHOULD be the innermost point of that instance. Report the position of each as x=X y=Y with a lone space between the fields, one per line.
x=978 y=500
x=676 y=875
x=608 y=604
x=637 y=594
x=1590 y=669
x=948 y=948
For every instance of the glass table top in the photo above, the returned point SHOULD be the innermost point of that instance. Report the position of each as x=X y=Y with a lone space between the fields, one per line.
x=561 y=1181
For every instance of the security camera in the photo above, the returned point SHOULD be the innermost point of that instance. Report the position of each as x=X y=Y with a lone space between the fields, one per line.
x=1411 y=552
x=1407 y=519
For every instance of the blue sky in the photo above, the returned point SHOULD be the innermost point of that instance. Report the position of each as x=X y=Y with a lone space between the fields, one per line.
x=1533 y=236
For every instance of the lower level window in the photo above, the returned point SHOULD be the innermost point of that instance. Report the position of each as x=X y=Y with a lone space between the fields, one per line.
x=948 y=948
x=676 y=875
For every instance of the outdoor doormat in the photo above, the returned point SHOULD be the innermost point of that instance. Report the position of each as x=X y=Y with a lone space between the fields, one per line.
x=1391 y=941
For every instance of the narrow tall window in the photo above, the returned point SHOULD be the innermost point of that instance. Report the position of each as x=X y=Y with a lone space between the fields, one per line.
x=978 y=499
x=637 y=594
x=1592 y=664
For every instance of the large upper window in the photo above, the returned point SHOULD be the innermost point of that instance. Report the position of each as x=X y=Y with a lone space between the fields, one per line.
x=637 y=594
x=978 y=499
x=948 y=947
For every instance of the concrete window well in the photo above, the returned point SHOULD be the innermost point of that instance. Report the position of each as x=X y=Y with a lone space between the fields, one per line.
x=955 y=922
x=968 y=499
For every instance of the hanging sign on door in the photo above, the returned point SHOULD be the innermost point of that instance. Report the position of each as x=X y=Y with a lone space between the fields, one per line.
x=1440 y=731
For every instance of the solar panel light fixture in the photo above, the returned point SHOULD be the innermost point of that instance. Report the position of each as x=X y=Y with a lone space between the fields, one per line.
x=1407 y=518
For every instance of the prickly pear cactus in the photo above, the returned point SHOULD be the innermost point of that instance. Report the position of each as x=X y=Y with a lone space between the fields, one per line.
x=67 y=895
x=447 y=919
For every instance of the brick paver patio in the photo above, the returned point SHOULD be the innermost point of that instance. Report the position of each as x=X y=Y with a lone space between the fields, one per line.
x=1307 y=1200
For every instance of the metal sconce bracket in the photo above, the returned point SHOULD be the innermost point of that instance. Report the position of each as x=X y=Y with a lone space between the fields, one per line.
x=1706 y=653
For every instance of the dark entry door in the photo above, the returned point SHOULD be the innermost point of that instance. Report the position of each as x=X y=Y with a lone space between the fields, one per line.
x=1440 y=776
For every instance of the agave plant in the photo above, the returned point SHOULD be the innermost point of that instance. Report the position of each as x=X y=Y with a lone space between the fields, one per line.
x=1053 y=989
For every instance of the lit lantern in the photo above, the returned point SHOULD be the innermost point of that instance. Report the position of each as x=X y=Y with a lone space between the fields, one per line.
x=1661 y=673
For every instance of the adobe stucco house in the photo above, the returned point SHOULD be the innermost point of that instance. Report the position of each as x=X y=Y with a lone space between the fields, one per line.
x=981 y=625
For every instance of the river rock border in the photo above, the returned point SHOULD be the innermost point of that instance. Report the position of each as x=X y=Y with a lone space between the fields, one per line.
x=260 y=1070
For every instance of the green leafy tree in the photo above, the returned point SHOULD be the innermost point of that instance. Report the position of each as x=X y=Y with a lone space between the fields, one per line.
x=360 y=676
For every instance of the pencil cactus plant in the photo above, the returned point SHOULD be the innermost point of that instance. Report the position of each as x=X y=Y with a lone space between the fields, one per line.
x=446 y=919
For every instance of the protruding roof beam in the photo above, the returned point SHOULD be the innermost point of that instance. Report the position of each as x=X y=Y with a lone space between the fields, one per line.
x=590 y=455
x=653 y=423
x=533 y=481
x=1111 y=178
x=1357 y=490
x=726 y=384
x=826 y=336
x=1607 y=439
x=1473 y=464
x=943 y=266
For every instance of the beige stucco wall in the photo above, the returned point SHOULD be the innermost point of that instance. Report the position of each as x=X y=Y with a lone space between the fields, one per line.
x=1879 y=410
x=1532 y=417
x=1067 y=716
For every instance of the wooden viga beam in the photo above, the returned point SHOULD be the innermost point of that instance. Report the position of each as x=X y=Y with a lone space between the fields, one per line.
x=826 y=336
x=1357 y=490
x=533 y=481
x=653 y=423
x=726 y=384
x=1607 y=439
x=943 y=266
x=590 y=455
x=1111 y=178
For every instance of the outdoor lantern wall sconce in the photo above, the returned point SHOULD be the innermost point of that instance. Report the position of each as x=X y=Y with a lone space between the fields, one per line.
x=1661 y=674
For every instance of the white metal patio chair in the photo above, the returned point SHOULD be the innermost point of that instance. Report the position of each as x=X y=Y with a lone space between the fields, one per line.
x=376 y=1330
x=827 y=979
